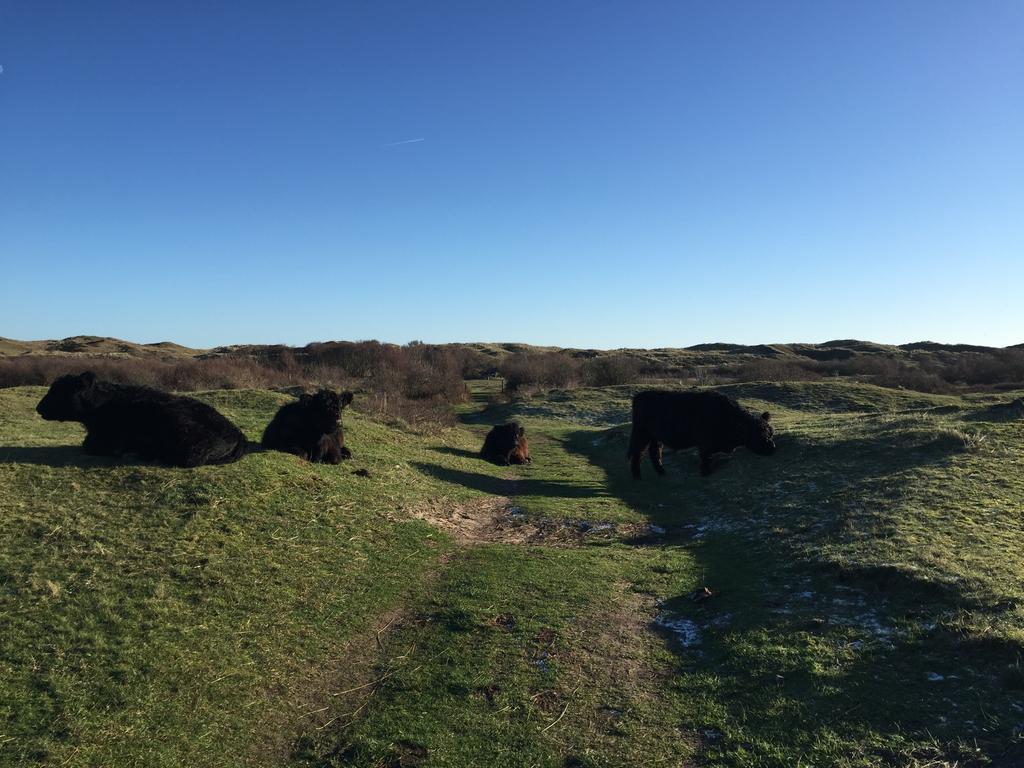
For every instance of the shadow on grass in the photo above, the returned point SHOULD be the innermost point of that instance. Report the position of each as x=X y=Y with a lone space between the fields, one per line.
x=831 y=680
x=462 y=453
x=896 y=670
x=999 y=412
x=502 y=487
x=60 y=456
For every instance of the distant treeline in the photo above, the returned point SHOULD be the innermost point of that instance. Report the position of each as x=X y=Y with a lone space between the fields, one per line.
x=935 y=372
x=417 y=381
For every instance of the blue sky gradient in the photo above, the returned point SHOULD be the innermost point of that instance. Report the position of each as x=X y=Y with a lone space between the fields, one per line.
x=573 y=173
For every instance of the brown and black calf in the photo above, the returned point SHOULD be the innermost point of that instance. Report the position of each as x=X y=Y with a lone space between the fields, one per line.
x=311 y=428
x=506 y=444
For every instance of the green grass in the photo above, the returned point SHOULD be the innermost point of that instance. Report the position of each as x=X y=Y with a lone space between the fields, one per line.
x=867 y=606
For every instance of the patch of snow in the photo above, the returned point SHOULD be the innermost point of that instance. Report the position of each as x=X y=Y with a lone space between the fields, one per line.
x=685 y=631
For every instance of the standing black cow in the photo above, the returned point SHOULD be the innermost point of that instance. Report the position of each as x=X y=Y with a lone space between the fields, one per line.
x=710 y=421
x=154 y=425
x=310 y=428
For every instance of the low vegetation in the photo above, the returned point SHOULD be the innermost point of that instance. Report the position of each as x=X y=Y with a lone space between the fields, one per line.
x=419 y=382
x=854 y=600
x=415 y=384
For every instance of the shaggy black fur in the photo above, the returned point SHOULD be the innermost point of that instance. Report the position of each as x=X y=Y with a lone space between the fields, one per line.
x=155 y=426
x=506 y=444
x=710 y=421
x=311 y=428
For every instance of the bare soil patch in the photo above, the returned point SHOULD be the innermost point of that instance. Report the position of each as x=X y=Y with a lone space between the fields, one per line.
x=617 y=662
x=496 y=519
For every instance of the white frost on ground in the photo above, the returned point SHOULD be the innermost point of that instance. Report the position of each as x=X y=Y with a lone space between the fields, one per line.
x=685 y=631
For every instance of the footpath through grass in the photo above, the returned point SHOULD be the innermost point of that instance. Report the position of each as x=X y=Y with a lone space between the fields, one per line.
x=864 y=604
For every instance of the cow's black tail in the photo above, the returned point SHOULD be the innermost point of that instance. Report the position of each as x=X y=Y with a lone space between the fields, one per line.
x=240 y=449
x=250 y=447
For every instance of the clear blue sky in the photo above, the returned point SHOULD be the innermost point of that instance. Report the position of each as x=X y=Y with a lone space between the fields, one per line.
x=576 y=173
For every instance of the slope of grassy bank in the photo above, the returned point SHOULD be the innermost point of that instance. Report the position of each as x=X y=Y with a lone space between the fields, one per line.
x=855 y=599
x=170 y=616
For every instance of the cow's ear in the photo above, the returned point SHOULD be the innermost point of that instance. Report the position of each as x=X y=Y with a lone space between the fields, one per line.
x=305 y=397
x=766 y=416
x=521 y=432
x=88 y=378
x=346 y=398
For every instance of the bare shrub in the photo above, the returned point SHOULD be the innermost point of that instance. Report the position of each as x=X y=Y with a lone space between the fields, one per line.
x=1001 y=367
x=775 y=369
x=612 y=370
x=545 y=370
x=423 y=415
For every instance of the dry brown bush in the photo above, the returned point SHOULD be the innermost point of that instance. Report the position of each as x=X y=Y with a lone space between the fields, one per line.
x=416 y=383
x=611 y=370
x=540 y=371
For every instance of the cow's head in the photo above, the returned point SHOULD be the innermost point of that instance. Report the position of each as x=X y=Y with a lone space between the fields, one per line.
x=327 y=405
x=761 y=437
x=68 y=398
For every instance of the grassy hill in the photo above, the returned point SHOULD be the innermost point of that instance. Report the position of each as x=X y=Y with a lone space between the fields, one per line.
x=855 y=600
x=96 y=346
x=704 y=354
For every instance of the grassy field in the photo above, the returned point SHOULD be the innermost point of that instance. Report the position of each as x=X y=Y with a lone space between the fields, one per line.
x=857 y=599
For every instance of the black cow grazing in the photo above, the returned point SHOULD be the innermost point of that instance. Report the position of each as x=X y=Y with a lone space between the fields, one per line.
x=310 y=428
x=710 y=421
x=506 y=444
x=154 y=425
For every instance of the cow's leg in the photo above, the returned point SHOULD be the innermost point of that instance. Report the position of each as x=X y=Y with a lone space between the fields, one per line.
x=634 y=463
x=326 y=450
x=635 y=451
x=100 y=441
x=654 y=448
x=706 y=466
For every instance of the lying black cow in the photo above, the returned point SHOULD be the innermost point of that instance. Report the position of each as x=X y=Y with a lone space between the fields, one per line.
x=506 y=444
x=154 y=425
x=310 y=428
x=710 y=421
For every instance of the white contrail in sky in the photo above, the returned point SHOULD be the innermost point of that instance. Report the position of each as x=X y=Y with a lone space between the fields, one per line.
x=407 y=141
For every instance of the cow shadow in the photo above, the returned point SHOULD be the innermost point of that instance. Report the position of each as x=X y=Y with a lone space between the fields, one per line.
x=502 y=487
x=61 y=456
x=461 y=453
x=802 y=470
x=770 y=525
